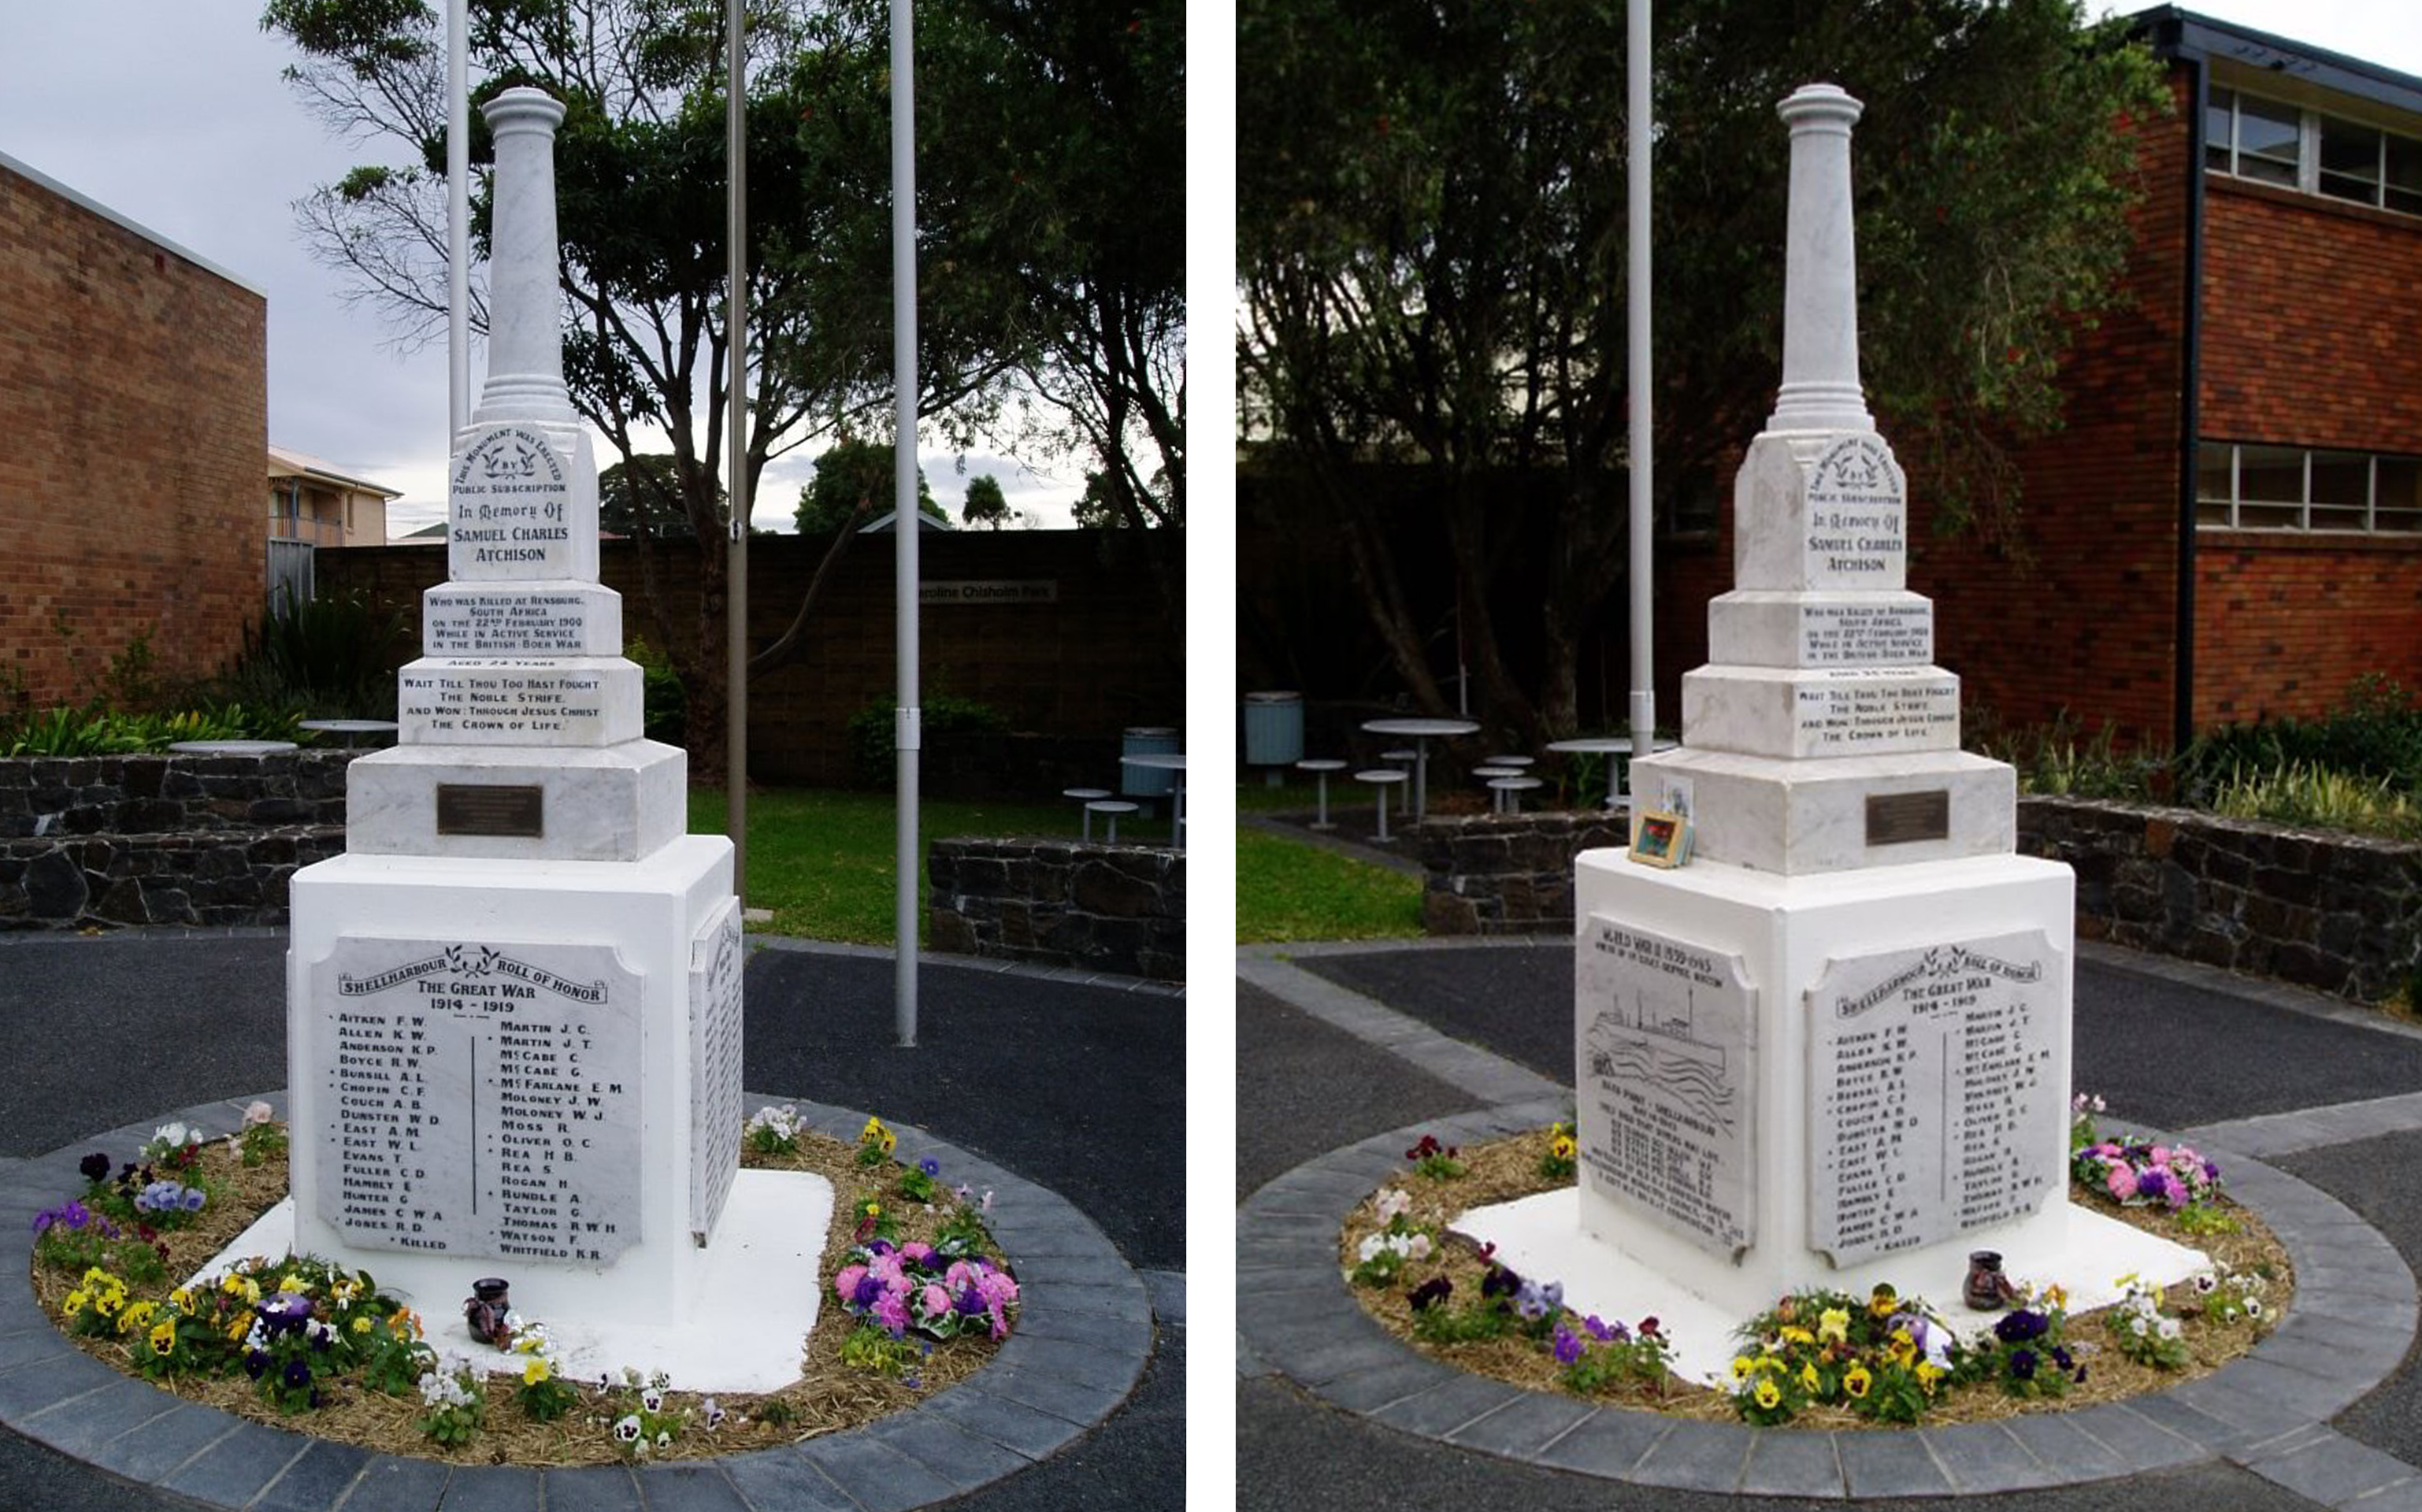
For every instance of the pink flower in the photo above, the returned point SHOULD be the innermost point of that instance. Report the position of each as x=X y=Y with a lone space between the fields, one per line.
x=915 y=1254
x=997 y=1290
x=932 y=1301
x=961 y=1273
x=846 y=1282
x=2122 y=1183
x=891 y=1313
x=885 y=1268
x=2160 y=1155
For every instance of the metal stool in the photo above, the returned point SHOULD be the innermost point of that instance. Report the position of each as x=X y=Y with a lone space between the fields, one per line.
x=1380 y=776
x=1512 y=789
x=1490 y=773
x=1086 y=797
x=1323 y=766
x=1113 y=806
x=1404 y=762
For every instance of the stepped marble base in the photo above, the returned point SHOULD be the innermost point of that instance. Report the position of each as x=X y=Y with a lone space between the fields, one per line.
x=614 y=803
x=1791 y=818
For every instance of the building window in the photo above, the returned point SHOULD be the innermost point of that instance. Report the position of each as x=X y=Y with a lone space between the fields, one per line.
x=2260 y=139
x=2245 y=486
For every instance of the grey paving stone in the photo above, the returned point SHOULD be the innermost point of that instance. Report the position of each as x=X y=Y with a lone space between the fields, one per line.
x=2261 y=1417
x=1130 y=1334
x=394 y=1483
x=232 y=1470
x=2313 y=1396
x=2054 y=1440
x=1111 y=1369
x=1124 y=1298
x=1391 y=1380
x=1889 y=1464
x=1079 y=1402
x=875 y=1475
x=23 y=1347
x=964 y=1460
x=1521 y=1429
x=2334 y=1470
x=1983 y=1457
x=2190 y=1421
x=316 y=1479
x=1447 y=1407
x=1793 y=1464
x=1608 y=1443
x=491 y=1488
x=1314 y=1359
x=155 y=1448
x=590 y=1487
x=2405 y=1496
x=78 y=1427
x=1698 y=1456
x=688 y=1486
x=2139 y=1442
x=782 y=1480
x=1012 y=1424
x=30 y=1388
x=1074 y=1270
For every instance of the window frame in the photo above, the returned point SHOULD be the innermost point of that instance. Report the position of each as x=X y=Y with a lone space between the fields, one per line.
x=2304 y=504
x=2231 y=99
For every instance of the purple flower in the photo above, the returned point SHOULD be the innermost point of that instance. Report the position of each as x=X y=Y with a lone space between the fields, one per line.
x=929 y=1166
x=94 y=1166
x=255 y=1362
x=2023 y=1363
x=2062 y=1357
x=869 y=1289
x=298 y=1374
x=1500 y=1282
x=1568 y=1348
x=969 y=1302
x=1430 y=1293
x=2020 y=1326
x=2155 y=1186
x=194 y=1199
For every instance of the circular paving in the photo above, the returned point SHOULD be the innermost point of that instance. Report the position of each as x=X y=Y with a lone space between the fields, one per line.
x=1083 y=1332
x=2349 y=1327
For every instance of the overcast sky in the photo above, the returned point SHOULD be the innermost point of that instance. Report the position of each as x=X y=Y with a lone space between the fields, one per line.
x=171 y=114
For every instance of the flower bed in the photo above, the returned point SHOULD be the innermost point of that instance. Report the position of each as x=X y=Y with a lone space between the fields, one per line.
x=1819 y=1359
x=921 y=1298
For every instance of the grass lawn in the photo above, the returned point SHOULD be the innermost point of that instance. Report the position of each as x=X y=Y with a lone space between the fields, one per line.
x=821 y=858
x=1287 y=891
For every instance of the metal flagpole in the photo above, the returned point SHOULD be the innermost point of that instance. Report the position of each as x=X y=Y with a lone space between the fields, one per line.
x=1643 y=445
x=458 y=219
x=735 y=413
x=906 y=526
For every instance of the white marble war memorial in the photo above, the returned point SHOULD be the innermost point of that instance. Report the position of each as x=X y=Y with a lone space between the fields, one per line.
x=1833 y=1048
x=513 y=1005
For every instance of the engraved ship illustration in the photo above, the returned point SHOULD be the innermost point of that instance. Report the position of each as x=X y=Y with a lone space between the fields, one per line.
x=1664 y=1052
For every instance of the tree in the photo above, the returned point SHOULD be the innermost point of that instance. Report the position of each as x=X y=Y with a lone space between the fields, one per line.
x=1431 y=241
x=985 y=504
x=639 y=174
x=854 y=483
x=643 y=496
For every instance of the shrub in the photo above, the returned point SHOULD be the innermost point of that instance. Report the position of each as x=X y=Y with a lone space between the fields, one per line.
x=871 y=756
x=668 y=701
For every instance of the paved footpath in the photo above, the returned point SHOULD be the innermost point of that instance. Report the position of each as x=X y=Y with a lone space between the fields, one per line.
x=2313 y=1107
x=1072 y=1084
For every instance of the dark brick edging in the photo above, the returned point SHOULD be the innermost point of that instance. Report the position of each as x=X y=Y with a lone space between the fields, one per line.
x=2351 y=1325
x=1084 y=1332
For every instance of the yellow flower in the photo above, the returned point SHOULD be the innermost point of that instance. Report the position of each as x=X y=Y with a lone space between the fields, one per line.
x=251 y=1290
x=164 y=1337
x=183 y=1297
x=136 y=1316
x=1741 y=1367
x=294 y=1282
x=1766 y=1394
x=535 y=1370
x=1884 y=1302
x=875 y=1210
x=1797 y=1335
x=1856 y=1381
x=1773 y=1362
x=1903 y=1347
x=362 y=1324
x=889 y=1141
x=1834 y=1325
x=238 y=1326
x=1928 y=1374
x=2055 y=1297
x=1810 y=1380
x=75 y=1302
x=873 y=1129
x=1562 y=1148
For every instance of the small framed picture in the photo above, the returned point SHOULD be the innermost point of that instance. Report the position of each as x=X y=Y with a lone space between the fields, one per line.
x=1660 y=838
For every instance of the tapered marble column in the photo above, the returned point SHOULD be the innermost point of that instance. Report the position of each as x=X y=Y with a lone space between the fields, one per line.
x=525 y=340
x=1820 y=277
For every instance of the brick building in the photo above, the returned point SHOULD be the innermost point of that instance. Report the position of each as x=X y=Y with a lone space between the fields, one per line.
x=134 y=418
x=2229 y=525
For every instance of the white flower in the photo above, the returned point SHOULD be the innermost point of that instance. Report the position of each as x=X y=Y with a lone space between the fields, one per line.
x=664 y=1437
x=1393 y=1203
x=714 y=1412
x=2136 y=1325
x=1417 y=1247
x=2206 y=1284
x=1369 y=1249
x=259 y=1112
x=2254 y=1307
x=652 y=1399
x=626 y=1430
x=2167 y=1328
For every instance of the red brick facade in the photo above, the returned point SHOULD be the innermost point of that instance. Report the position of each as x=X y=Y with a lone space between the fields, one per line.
x=134 y=412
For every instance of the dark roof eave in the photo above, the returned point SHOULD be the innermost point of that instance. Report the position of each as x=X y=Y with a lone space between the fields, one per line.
x=2177 y=33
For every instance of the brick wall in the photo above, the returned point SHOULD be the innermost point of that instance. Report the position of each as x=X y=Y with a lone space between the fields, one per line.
x=134 y=404
x=2306 y=342
x=1099 y=659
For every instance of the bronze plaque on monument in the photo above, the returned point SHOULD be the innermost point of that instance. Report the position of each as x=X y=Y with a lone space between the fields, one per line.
x=1906 y=818
x=494 y=808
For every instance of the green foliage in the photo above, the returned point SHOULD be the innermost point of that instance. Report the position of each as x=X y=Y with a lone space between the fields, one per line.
x=868 y=1347
x=872 y=749
x=646 y=491
x=334 y=657
x=667 y=714
x=93 y=730
x=855 y=484
x=985 y=504
x=2317 y=798
x=2062 y=760
x=1288 y=890
x=2375 y=732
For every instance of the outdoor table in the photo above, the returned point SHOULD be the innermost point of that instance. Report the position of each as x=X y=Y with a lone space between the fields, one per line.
x=1168 y=762
x=232 y=748
x=350 y=728
x=1380 y=776
x=1085 y=796
x=1510 y=789
x=1113 y=806
x=1606 y=745
x=1422 y=730
x=1322 y=765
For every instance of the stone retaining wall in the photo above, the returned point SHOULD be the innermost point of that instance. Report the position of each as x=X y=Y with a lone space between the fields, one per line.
x=2338 y=913
x=102 y=841
x=1118 y=908
x=1506 y=874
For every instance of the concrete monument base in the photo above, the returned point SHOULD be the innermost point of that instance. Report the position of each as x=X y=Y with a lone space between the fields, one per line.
x=519 y=1068
x=1834 y=1081
x=757 y=1298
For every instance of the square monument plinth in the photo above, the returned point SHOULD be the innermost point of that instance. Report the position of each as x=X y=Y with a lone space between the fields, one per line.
x=1784 y=1083
x=522 y=503
x=1820 y=509
x=521 y=619
x=516 y=1068
x=522 y=701
x=1771 y=814
x=1821 y=712
x=616 y=803
x=1764 y=627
